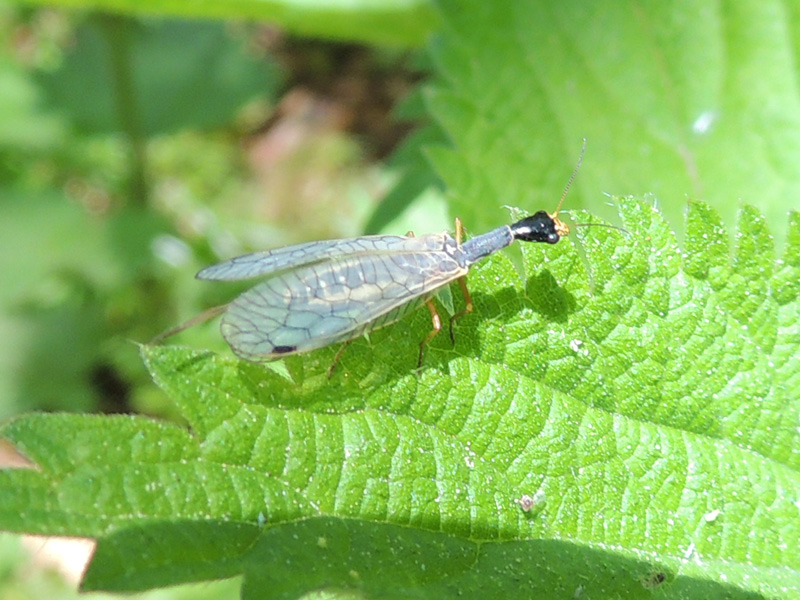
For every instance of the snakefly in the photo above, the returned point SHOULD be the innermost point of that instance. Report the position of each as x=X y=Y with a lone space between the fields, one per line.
x=326 y=292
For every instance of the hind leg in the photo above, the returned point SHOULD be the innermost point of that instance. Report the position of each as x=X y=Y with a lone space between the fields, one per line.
x=468 y=307
x=437 y=327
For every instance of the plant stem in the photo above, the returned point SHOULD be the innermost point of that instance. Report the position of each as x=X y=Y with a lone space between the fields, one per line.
x=118 y=33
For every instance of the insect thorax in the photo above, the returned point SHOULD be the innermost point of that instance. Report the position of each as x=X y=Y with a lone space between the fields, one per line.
x=455 y=251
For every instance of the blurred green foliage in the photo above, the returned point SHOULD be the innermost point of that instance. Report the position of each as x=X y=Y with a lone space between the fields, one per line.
x=116 y=136
x=183 y=74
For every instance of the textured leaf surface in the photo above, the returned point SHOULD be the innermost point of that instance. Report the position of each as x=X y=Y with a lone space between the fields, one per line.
x=675 y=99
x=643 y=395
x=648 y=403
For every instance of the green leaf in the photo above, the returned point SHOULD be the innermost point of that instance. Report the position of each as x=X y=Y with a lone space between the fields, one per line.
x=415 y=179
x=184 y=75
x=645 y=401
x=50 y=320
x=387 y=22
x=23 y=126
x=675 y=99
x=643 y=395
x=416 y=172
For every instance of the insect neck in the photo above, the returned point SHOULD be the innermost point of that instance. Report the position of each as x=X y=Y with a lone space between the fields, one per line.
x=487 y=243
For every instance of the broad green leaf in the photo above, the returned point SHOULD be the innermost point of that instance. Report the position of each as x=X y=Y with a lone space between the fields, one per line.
x=647 y=400
x=678 y=99
x=183 y=74
x=385 y=22
x=643 y=395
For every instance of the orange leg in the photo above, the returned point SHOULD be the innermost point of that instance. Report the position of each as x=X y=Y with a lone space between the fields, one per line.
x=468 y=307
x=437 y=327
x=459 y=231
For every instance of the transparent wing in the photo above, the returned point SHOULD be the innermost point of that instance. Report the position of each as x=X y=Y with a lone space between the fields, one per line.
x=290 y=257
x=334 y=301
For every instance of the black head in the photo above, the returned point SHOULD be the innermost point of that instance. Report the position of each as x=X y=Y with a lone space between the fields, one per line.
x=541 y=227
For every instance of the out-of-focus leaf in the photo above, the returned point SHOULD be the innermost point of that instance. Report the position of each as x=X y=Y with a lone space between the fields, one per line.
x=59 y=269
x=416 y=176
x=385 y=22
x=23 y=128
x=185 y=74
x=678 y=99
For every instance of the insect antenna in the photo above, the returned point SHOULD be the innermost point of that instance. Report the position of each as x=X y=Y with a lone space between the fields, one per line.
x=617 y=227
x=561 y=227
x=554 y=215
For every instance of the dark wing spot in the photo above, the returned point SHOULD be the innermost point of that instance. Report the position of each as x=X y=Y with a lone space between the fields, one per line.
x=284 y=349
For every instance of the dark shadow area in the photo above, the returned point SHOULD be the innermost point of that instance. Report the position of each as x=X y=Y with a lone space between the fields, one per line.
x=548 y=298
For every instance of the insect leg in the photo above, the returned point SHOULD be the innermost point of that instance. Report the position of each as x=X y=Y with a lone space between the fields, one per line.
x=337 y=357
x=437 y=327
x=204 y=316
x=462 y=282
x=459 y=231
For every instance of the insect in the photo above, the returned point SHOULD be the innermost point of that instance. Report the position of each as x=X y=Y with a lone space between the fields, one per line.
x=320 y=293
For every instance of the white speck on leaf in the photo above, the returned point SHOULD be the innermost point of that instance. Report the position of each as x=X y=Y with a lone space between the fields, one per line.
x=704 y=121
x=711 y=516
